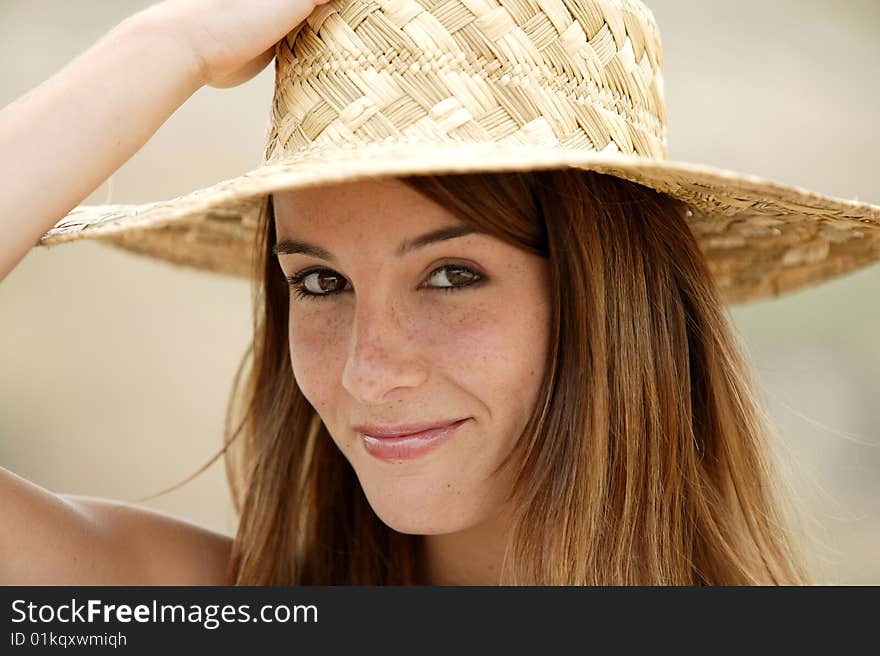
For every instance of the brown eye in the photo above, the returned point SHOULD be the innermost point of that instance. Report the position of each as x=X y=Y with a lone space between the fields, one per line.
x=457 y=276
x=318 y=282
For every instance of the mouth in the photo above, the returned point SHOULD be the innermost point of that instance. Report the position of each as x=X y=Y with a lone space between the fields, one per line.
x=392 y=446
x=402 y=430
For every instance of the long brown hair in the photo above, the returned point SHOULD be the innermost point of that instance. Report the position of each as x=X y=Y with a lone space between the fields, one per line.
x=646 y=459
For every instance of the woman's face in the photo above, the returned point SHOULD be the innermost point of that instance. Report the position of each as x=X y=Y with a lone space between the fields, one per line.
x=448 y=330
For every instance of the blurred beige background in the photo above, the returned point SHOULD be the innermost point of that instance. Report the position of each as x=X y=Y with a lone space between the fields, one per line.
x=116 y=370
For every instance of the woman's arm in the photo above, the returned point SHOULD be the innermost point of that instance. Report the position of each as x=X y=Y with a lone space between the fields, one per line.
x=61 y=140
x=58 y=143
x=52 y=539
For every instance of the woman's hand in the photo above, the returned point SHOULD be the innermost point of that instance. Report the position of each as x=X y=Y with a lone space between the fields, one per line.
x=232 y=40
x=106 y=103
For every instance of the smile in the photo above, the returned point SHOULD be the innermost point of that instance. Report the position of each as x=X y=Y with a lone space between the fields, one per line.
x=409 y=447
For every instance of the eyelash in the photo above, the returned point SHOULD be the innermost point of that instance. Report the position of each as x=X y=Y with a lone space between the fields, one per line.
x=296 y=284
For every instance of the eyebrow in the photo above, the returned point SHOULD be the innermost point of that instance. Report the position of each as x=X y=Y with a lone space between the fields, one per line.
x=291 y=247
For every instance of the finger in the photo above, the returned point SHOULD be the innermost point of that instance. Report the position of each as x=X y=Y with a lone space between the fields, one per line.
x=246 y=72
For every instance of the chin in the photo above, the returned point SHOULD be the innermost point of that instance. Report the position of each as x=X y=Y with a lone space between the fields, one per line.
x=430 y=510
x=419 y=524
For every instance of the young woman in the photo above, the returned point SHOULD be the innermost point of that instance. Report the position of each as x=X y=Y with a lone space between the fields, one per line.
x=519 y=376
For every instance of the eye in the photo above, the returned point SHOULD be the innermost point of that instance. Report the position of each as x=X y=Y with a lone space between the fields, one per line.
x=459 y=276
x=316 y=283
x=320 y=283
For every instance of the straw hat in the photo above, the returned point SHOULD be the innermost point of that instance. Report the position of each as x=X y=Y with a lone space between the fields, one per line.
x=390 y=87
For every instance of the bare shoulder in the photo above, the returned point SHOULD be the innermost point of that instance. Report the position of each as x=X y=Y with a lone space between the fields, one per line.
x=156 y=548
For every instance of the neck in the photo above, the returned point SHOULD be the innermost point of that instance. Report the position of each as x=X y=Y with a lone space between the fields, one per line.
x=469 y=557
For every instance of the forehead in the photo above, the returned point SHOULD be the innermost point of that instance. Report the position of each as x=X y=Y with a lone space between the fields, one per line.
x=361 y=216
x=360 y=199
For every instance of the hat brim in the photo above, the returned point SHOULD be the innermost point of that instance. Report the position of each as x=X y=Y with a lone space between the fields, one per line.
x=762 y=238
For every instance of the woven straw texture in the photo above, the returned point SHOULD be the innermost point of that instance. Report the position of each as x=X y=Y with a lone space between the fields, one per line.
x=399 y=87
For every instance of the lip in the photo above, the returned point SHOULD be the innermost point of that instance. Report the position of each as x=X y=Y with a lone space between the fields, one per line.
x=401 y=430
x=395 y=447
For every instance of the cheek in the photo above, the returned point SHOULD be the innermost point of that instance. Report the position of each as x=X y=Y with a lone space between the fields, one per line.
x=499 y=355
x=492 y=346
x=458 y=335
x=317 y=352
x=479 y=345
x=503 y=353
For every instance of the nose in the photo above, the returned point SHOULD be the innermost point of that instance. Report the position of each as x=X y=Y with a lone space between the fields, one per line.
x=383 y=353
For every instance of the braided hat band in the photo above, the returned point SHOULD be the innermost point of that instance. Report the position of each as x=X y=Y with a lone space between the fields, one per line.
x=403 y=87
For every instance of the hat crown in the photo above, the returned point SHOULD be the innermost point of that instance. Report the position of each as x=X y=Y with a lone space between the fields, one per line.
x=573 y=74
